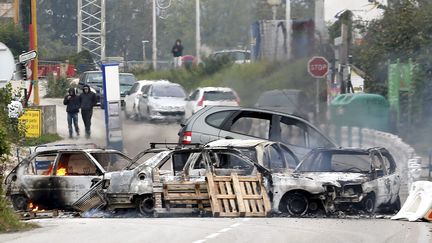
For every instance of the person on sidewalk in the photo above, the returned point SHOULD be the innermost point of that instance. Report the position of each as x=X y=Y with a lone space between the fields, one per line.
x=88 y=100
x=72 y=102
x=177 y=51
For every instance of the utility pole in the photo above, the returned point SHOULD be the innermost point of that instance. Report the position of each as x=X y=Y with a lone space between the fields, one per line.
x=198 y=32
x=16 y=11
x=288 y=27
x=34 y=46
x=154 y=52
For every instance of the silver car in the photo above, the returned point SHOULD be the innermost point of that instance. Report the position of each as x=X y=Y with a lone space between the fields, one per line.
x=162 y=100
x=218 y=122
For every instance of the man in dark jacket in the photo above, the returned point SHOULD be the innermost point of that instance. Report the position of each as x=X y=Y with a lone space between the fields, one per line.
x=72 y=102
x=177 y=51
x=88 y=100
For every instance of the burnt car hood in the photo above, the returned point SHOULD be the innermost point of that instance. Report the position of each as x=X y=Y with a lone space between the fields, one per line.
x=335 y=178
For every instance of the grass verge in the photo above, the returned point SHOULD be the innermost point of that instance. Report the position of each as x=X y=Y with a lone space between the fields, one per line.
x=45 y=138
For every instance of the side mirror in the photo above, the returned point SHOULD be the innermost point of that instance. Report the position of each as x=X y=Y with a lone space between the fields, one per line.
x=379 y=172
x=145 y=96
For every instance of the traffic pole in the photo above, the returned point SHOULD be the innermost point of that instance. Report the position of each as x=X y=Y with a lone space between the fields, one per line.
x=317 y=107
x=34 y=45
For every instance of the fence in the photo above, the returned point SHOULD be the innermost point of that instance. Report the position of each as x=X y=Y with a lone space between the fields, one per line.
x=408 y=163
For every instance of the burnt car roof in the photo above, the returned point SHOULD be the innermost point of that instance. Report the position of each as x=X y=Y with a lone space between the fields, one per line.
x=340 y=149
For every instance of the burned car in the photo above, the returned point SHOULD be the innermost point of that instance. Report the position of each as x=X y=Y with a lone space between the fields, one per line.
x=339 y=179
x=274 y=156
x=136 y=186
x=56 y=177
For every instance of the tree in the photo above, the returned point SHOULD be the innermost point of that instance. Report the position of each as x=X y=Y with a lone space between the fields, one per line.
x=13 y=37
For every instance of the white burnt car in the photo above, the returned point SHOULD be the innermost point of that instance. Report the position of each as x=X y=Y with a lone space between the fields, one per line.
x=56 y=177
x=135 y=186
x=339 y=179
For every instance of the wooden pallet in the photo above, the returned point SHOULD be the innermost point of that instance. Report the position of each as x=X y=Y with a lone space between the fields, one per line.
x=234 y=196
x=186 y=194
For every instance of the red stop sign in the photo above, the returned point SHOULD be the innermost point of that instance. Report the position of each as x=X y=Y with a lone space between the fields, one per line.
x=318 y=67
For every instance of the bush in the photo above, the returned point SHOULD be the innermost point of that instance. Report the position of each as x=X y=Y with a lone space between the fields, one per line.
x=57 y=87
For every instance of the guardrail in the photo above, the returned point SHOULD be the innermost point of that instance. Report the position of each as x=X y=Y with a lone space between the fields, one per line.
x=408 y=163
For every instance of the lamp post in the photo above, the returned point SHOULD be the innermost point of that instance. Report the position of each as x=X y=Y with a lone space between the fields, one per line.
x=144 y=50
x=274 y=4
x=198 y=31
x=154 y=52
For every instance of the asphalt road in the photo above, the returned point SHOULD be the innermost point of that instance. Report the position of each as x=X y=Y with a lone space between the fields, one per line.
x=199 y=230
x=136 y=137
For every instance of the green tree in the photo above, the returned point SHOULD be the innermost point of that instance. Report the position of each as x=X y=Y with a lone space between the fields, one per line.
x=13 y=37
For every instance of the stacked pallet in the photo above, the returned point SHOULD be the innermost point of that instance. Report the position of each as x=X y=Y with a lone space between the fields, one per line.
x=235 y=196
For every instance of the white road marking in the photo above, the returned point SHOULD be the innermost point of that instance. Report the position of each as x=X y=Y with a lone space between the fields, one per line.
x=212 y=236
x=246 y=219
x=199 y=241
x=235 y=225
x=224 y=230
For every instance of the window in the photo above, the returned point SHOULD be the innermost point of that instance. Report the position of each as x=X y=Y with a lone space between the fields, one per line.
x=174 y=164
x=41 y=165
x=273 y=159
x=111 y=161
x=145 y=89
x=219 y=95
x=388 y=163
x=194 y=95
x=75 y=164
x=293 y=132
x=216 y=119
x=199 y=163
x=230 y=161
x=336 y=161
x=289 y=157
x=254 y=124
x=317 y=140
x=168 y=91
x=134 y=88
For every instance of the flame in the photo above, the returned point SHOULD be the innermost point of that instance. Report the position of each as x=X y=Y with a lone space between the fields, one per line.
x=61 y=171
x=35 y=208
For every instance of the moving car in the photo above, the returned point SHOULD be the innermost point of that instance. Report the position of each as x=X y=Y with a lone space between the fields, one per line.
x=208 y=96
x=131 y=99
x=163 y=101
x=291 y=101
x=56 y=177
x=95 y=80
x=274 y=156
x=217 y=122
x=339 y=179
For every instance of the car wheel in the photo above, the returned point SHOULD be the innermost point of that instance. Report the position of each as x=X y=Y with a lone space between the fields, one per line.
x=369 y=204
x=20 y=202
x=145 y=205
x=296 y=203
x=395 y=206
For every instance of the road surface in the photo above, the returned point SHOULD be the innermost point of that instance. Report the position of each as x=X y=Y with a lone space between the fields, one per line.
x=211 y=230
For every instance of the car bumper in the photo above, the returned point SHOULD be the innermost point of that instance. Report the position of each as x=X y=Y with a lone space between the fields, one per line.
x=166 y=115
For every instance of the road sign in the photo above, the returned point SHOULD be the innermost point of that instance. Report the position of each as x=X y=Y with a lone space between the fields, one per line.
x=27 y=56
x=32 y=120
x=7 y=65
x=318 y=67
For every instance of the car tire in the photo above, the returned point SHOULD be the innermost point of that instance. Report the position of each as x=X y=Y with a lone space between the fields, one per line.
x=145 y=205
x=20 y=202
x=369 y=203
x=296 y=203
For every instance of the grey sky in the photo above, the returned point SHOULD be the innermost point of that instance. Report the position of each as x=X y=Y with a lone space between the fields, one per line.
x=360 y=8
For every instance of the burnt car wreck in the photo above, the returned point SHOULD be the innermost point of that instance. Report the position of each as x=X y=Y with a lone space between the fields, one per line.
x=339 y=180
x=56 y=177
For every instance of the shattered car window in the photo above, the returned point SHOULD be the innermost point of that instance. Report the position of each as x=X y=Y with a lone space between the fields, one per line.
x=75 y=164
x=41 y=165
x=336 y=162
x=111 y=161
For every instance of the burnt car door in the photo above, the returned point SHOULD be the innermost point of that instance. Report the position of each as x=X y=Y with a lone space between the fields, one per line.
x=30 y=181
x=171 y=167
x=74 y=173
x=392 y=178
x=380 y=175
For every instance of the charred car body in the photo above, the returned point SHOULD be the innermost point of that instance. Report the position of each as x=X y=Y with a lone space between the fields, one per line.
x=339 y=179
x=55 y=178
x=135 y=187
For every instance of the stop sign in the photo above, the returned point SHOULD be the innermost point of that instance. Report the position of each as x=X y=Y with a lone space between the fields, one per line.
x=318 y=67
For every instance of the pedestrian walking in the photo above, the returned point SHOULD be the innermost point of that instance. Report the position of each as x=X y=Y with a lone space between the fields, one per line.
x=177 y=51
x=72 y=102
x=87 y=100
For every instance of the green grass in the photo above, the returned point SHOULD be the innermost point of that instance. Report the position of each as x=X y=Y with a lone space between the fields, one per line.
x=45 y=138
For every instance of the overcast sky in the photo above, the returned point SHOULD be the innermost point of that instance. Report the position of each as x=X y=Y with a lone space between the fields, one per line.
x=360 y=8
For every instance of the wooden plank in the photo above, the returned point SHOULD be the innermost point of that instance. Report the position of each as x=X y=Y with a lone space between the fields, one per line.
x=226 y=196
x=266 y=199
x=238 y=194
x=212 y=193
x=249 y=192
x=259 y=203
x=231 y=201
x=244 y=194
x=225 y=201
x=198 y=193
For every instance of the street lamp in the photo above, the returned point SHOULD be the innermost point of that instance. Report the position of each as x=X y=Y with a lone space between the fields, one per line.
x=198 y=31
x=144 y=50
x=154 y=52
x=274 y=4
